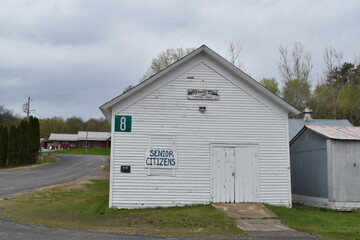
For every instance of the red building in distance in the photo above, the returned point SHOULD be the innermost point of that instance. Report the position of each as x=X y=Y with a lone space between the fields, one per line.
x=82 y=139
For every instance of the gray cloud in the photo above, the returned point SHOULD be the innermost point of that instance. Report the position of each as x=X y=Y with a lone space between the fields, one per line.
x=73 y=56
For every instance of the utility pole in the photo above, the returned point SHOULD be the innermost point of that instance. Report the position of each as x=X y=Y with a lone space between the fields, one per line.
x=26 y=107
x=86 y=148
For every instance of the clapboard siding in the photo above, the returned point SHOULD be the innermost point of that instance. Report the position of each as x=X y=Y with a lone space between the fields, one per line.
x=166 y=113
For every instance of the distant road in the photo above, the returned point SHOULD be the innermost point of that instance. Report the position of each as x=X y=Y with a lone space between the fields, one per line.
x=69 y=168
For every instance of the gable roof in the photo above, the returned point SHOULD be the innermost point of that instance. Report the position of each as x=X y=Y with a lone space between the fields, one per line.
x=106 y=108
x=295 y=125
x=63 y=137
x=81 y=135
x=332 y=132
x=93 y=136
x=339 y=133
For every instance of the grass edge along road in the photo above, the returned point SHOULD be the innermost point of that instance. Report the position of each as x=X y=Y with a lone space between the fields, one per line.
x=84 y=151
x=46 y=159
x=319 y=221
x=85 y=205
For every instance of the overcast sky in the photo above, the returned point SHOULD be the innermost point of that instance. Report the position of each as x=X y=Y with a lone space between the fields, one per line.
x=72 y=56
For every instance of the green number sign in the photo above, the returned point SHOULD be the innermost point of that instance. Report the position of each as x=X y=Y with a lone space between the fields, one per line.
x=122 y=123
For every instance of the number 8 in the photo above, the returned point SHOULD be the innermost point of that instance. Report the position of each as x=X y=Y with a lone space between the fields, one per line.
x=123 y=123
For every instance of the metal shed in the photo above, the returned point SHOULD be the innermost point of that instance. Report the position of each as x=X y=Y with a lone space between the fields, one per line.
x=325 y=167
x=296 y=124
x=199 y=131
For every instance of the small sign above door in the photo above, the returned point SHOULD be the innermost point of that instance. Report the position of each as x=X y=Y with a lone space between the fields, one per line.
x=202 y=94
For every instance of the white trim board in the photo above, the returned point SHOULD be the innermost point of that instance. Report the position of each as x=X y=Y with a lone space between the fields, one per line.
x=324 y=203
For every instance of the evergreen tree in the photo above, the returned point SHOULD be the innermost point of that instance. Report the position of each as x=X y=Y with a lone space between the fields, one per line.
x=34 y=139
x=12 y=147
x=23 y=143
x=2 y=155
x=3 y=145
x=339 y=96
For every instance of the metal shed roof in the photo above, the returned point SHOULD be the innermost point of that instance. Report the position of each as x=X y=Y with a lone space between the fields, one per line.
x=93 y=136
x=81 y=135
x=63 y=137
x=295 y=125
x=340 y=133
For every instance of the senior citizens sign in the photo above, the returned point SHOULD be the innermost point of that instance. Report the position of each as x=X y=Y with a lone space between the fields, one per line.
x=160 y=158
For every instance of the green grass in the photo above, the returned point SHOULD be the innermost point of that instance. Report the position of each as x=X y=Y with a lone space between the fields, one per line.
x=86 y=206
x=319 y=221
x=46 y=159
x=89 y=151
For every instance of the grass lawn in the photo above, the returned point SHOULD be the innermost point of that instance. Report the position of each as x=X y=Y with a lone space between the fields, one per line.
x=90 y=151
x=46 y=159
x=322 y=222
x=86 y=206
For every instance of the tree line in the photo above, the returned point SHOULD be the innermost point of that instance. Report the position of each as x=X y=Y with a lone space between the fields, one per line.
x=72 y=125
x=336 y=96
x=57 y=124
x=19 y=144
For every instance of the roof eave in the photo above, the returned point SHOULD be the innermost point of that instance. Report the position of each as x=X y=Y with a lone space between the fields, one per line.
x=105 y=107
x=297 y=135
x=146 y=82
x=253 y=82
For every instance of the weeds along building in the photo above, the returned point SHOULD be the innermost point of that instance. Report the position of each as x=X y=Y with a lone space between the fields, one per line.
x=199 y=131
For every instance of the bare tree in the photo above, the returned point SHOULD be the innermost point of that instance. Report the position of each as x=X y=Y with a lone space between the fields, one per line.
x=284 y=64
x=296 y=66
x=234 y=51
x=332 y=59
x=7 y=117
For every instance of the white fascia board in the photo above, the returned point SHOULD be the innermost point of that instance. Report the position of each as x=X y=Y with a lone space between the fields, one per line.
x=107 y=113
x=156 y=84
x=106 y=108
x=266 y=92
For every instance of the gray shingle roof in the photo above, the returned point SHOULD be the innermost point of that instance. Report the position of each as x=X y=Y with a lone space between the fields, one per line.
x=295 y=125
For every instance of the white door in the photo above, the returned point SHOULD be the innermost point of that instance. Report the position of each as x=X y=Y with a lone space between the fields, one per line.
x=234 y=173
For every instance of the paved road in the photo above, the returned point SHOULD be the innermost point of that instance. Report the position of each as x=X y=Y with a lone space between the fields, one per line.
x=69 y=168
x=10 y=230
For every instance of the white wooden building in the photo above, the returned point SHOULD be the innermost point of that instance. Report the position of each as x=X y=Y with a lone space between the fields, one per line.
x=199 y=131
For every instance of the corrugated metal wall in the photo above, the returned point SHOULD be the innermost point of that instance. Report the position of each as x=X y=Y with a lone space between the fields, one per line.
x=309 y=165
x=345 y=163
x=166 y=115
